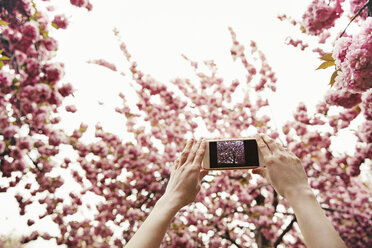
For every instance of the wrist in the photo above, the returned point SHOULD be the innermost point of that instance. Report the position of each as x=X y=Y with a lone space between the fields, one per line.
x=167 y=202
x=299 y=194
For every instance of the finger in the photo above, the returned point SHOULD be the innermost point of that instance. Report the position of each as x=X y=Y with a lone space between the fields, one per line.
x=200 y=153
x=263 y=147
x=176 y=163
x=260 y=171
x=193 y=151
x=280 y=147
x=291 y=153
x=287 y=151
x=186 y=151
x=270 y=143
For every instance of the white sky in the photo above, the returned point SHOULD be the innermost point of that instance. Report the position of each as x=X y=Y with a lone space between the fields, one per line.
x=156 y=34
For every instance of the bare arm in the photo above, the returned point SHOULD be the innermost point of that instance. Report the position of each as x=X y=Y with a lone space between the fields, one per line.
x=183 y=186
x=286 y=174
x=152 y=231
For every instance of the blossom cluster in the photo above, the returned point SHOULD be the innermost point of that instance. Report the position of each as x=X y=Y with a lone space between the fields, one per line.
x=321 y=15
x=31 y=92
x=356 y=5
x=296 y=43
x=353 y=56
x=82 y=4
x=343 y=97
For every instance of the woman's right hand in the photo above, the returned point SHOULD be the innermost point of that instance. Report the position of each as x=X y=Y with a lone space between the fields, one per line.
x=282 y=169
x=286 y=174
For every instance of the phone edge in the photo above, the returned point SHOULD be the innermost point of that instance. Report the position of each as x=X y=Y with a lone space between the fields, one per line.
x=206 y=160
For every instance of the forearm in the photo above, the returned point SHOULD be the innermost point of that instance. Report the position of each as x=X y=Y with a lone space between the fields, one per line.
x=315 y=227
x=152 y=231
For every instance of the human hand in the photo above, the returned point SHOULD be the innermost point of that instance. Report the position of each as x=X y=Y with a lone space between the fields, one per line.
x=282 y=169
x=185 y=179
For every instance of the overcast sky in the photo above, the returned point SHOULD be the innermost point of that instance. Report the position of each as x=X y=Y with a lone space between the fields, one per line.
x=158 y=32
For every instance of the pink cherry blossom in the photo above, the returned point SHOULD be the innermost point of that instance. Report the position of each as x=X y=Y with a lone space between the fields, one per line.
x=104 y=63
x=79 y=3
x=2 y=147
x=353 y=56
x=71 y=108
x=66 y=90
x=10 y=131
x=367 y=104
x=321 y=15
x=53 y=72
x=50 y=44
x=30 y=31
x=343 y=97
x=5 y=81
x=356 y=5
x=60 y=21
x=295 y=43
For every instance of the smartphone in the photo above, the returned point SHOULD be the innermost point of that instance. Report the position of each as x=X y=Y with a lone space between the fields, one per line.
x=230 y=154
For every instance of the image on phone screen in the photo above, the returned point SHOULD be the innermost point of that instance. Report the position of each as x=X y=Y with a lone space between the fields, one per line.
x=233 y=153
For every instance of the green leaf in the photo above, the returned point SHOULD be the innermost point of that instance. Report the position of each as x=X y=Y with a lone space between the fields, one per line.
x=325 y=65
x=3 y=22
x=36 y=16
x=55 y=26
x=4 y=58
x=327 y=57
x=1 y=64
x=303 y=29
x=333 y=78
x=1 y=51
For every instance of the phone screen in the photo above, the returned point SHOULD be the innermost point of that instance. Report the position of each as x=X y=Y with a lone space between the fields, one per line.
x=233 y=153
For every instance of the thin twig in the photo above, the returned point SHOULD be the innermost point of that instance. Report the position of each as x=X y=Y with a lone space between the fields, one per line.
x=287 y=229
x=228 y=237
x=275 y=201
x=37 y=167
x=334 y=210
x=357 y=14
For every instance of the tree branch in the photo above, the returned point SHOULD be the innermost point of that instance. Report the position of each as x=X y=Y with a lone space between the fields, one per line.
x=275 y=201
x=37 y=167
x=261 y=240
x=287 y=229
x=334 y=210
x=284 y=213
x=227 y=236
x=369 y=3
